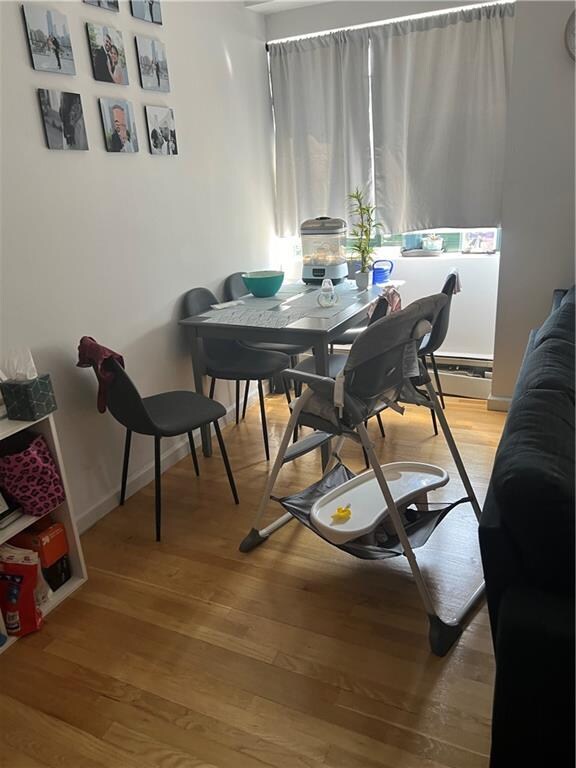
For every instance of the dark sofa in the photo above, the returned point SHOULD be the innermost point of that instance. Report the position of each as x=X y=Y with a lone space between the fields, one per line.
x=527 y=545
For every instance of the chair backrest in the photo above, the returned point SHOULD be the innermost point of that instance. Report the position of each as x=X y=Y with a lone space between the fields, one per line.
x=376 y=365
x=196 y=302
x=380 y=310
x=440 y=327
x=234 y=287
x=124 y=401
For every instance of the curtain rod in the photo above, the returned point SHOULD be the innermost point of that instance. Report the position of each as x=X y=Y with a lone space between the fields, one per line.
x=384 y=22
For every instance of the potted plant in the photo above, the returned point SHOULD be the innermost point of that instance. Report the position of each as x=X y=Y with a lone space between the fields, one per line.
x=363 y=229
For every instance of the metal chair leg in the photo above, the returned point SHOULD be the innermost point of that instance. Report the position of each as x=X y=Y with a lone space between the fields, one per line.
x=212 y=386
x=257 y=536
x=246 y=393
x=366 y=461
x=237 y=400
x=289 y=400
x=226 y=462
x=157 y=487
x=263 y=416
x=193 y=452
x=381 y=425
x=125 y=467
x=434 y=423
x=437 y=377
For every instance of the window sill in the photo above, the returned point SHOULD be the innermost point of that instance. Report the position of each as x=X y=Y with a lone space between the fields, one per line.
x=391 y=252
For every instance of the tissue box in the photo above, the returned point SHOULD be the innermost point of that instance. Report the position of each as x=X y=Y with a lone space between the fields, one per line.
x=30 y=399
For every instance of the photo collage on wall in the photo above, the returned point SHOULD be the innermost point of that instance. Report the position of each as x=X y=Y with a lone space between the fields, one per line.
x=51 y=50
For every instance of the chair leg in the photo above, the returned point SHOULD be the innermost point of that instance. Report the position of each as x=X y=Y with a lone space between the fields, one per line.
x=263 y=416
x=226 y=462
x=212 y=387
x=289 y=400
x=381 y=425
x=366 y=461
x=434 y=423
x=158 y=488
x=246 y=393
x=193 y=452
x=237 y=400
x=125 y=466
x=437 y=377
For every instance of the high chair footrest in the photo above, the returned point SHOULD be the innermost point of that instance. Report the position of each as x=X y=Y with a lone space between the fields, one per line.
x=305 y=445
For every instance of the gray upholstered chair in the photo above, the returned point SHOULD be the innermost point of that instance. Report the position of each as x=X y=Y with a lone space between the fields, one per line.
x=233 y=360
x=168 y=414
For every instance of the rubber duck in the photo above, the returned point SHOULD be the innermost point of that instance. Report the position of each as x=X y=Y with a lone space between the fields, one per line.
x=342 y=515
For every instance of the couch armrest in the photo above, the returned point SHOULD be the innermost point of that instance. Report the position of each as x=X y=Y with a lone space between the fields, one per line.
x=557 y=297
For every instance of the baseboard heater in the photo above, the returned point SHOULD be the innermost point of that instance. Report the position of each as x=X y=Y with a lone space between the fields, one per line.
x=465 y=376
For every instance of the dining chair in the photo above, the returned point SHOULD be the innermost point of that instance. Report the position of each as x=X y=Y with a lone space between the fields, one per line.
x=231 y=360
x=168 y=414
x=234 y=289
x=432 y=342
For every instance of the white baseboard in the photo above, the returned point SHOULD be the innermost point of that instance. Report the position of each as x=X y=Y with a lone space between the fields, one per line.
x=499 y=403
x=145 y=475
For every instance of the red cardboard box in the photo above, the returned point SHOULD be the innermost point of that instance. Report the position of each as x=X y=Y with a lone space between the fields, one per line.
x=51 y=543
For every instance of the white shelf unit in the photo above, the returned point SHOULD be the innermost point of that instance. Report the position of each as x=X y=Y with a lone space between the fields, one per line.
x=63 y=514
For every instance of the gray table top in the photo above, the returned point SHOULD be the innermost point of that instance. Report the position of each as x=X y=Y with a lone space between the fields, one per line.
x=293 y=311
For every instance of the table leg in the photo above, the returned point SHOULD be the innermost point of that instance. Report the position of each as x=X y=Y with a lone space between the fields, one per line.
x=198 y=368
x=321 y=358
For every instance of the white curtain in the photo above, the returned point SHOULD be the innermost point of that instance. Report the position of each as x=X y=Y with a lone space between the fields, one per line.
x=439 y=98
x=320 y=92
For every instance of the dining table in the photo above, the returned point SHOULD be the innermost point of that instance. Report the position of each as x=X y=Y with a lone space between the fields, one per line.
x=291 y=316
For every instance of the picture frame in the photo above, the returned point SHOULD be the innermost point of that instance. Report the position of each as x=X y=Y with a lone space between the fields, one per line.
x=107 y=53
x=147 y=10
x=107 y=5
x=49 y=39
x=63 y=119
x=152 y=64
x=119 y=125
x=161 y=128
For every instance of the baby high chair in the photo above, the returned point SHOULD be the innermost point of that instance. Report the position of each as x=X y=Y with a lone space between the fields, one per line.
x=383 y=512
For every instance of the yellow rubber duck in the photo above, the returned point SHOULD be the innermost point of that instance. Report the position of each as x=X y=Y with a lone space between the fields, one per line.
x=342 y=515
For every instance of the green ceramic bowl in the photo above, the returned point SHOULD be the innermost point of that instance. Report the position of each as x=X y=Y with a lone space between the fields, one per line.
x=263 y=282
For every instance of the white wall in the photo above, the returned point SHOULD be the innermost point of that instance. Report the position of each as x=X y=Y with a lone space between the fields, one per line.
x=473 y=311
x=538 y=204
x=105 y=244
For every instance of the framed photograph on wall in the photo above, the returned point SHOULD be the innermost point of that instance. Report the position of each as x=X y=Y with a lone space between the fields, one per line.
x=152 y=63
x=107 y=53
x=49 y=39
x=108 y=5
x=63 y=119
x=147 y=10
x=161 y=130
x=119 y=125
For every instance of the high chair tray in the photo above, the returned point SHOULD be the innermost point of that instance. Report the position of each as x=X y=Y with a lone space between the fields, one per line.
x=363 y=499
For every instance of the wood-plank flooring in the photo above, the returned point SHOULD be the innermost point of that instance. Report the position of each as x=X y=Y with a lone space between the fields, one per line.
x=188 y=654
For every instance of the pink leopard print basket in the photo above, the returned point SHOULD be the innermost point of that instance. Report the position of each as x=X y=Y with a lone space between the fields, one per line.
x=32 y=479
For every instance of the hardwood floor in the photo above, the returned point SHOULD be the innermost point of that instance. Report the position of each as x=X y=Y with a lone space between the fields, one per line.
x=188 y=654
